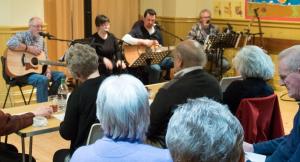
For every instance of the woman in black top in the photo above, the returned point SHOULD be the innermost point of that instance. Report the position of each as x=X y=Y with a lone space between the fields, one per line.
x=107 y=47
x=80 y=115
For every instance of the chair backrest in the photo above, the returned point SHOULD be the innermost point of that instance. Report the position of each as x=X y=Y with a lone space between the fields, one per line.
x=226 y=81
x=96 y=132
x=260 y=118
x=153 y=89
x=5 y=76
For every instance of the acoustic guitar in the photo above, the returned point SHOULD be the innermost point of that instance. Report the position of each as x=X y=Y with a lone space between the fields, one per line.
x=20 y=63
x=139 y=55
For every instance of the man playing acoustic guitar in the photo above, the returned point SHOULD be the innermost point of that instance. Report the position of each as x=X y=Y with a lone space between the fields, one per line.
x=31 y=42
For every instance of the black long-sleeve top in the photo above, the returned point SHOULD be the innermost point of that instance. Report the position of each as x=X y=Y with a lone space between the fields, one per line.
x=108 y=48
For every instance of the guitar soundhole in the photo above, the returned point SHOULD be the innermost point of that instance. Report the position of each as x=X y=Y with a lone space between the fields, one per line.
x=34 y=61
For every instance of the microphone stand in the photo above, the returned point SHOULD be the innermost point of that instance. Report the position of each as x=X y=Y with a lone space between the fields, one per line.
x=167 y=32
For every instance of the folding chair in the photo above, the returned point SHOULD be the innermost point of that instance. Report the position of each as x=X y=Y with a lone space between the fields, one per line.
x=11 y=82
x=96 y=132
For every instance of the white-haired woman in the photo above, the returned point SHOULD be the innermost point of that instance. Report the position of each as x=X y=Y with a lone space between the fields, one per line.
x=82 y=62
x=123 y=111
x=256 y=67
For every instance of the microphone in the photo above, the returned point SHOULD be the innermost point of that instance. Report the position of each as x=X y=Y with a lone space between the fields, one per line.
x=48 y=35
x=158 y=26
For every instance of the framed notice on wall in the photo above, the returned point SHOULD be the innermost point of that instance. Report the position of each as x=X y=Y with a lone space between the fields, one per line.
x=285 y=10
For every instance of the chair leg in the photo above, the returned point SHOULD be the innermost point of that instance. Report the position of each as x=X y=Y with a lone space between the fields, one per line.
x=23 y=95
x=30 y=95
x=6 y=96
x=6 y=138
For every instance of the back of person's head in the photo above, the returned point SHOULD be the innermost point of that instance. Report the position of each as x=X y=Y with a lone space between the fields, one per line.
x=252 y=61
x=82 y=60
x=291 y=58
x=101 y=19
x=149 y=11
x=203 y=130
x=191 y=53
x=123 y=108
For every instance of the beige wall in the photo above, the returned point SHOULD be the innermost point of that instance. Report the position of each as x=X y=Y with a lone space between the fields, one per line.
x=176 y=8
x=18 y=12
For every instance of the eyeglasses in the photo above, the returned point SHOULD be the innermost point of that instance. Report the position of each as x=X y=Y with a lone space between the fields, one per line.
x=37 y=26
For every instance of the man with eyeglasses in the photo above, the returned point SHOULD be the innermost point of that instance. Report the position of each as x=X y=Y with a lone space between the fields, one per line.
x=286 y=148
x=31 y=42
x=204 y=28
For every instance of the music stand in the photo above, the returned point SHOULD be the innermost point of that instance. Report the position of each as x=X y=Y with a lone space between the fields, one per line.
x=150 y=57
x=215 y=45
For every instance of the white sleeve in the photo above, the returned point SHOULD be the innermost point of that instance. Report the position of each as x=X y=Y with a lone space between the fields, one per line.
x=131 y=40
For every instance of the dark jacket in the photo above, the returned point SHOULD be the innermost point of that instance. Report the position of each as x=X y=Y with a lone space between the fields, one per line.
x=192 y=85
x=282 y=149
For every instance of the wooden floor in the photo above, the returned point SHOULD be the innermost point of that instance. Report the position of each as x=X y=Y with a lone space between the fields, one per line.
x=44 y=146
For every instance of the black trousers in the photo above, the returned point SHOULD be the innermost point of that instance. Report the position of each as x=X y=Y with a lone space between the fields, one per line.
x=9 y=153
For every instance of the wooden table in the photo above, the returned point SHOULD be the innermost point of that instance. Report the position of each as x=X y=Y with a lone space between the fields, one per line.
x=53 y=125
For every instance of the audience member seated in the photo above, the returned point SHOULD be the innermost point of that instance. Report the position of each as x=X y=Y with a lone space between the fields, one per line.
x=82 y=62
x=255 y=67
x=123 y=111
x=12 y=123
x=286 y=148
x=204 y=130
x=190 y=81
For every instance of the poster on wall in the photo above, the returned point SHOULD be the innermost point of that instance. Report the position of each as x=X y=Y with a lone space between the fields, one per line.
x=286 y=10
x=232 y=9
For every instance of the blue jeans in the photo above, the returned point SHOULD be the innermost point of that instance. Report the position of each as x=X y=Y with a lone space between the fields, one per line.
x=155 y=69
x=41 y=83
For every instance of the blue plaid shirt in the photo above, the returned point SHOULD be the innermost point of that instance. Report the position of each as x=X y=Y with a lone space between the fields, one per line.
x=28 y=39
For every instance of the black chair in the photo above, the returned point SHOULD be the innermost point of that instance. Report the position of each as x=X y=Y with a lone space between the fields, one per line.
x=11 y=82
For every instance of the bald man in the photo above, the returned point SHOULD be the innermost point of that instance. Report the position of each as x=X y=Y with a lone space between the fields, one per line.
x=190 y=82
x=31 y=42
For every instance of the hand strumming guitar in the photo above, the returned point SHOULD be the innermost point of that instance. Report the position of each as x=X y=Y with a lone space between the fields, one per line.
x=34 y=50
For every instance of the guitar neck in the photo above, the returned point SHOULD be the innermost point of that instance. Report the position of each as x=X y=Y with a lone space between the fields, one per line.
x=46 y=62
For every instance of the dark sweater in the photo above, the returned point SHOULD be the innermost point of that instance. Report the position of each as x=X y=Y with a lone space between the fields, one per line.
x=192 y=85
x=247 y=88
x=139 y=31
x=80 y=113
x=282 y=149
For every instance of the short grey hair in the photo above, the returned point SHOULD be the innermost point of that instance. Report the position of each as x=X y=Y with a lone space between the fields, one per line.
x=203 y=11
x=30 y=22
x=123 y=108
x=191 y=53
x=82 y=60
x=204 y=130
x=291 y=56
x=252 y=61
